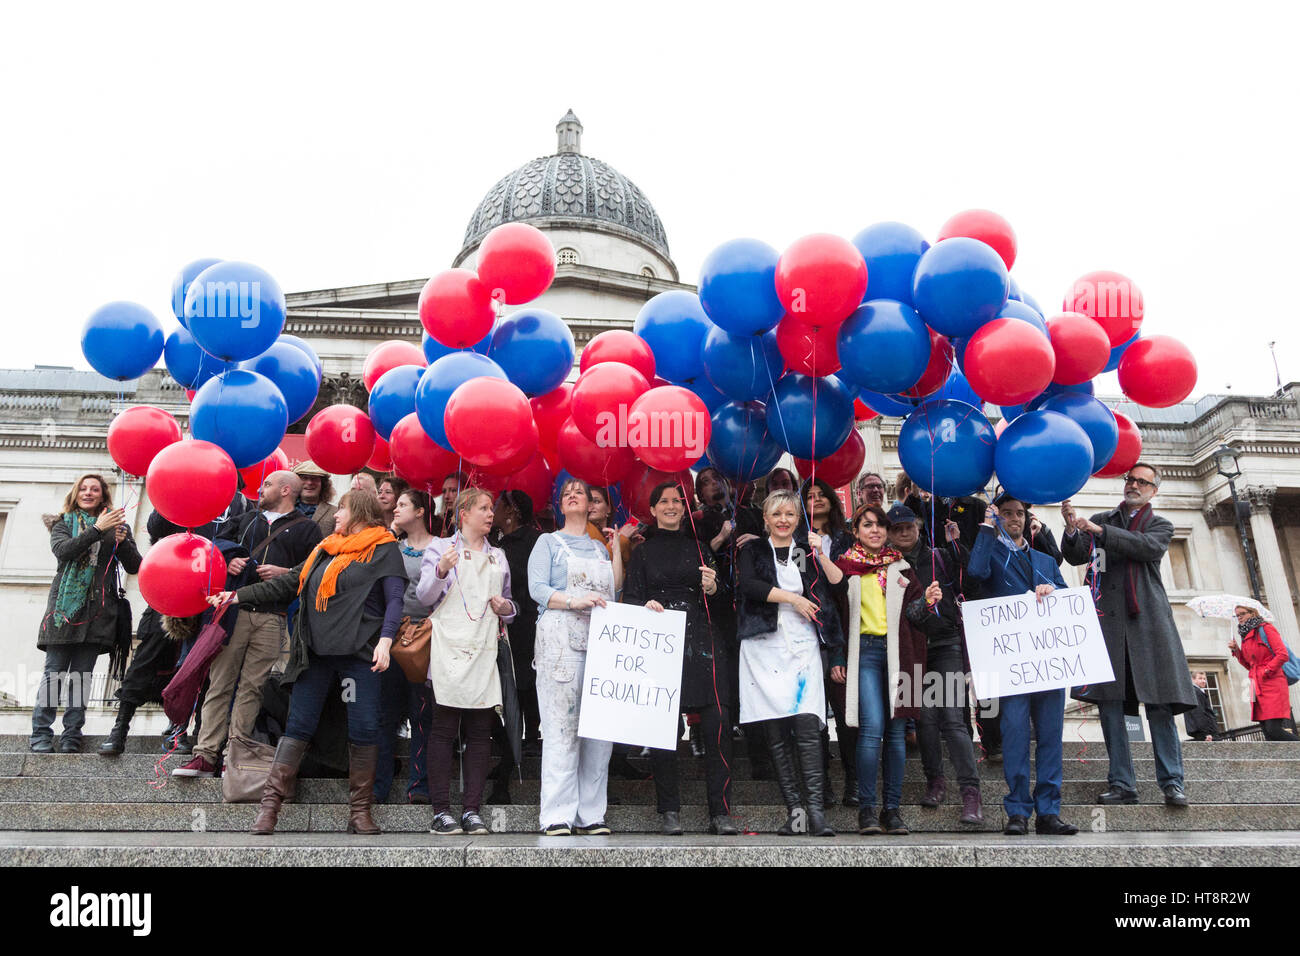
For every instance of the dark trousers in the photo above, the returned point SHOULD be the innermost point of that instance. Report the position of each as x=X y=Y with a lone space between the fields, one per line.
x=845 y=736
x=988 y=721
x=942 y=709
x=69 y=673
x=361 y=695
x=477 y=726
x=1276 y=729
x=401 y=700
x=715 y=731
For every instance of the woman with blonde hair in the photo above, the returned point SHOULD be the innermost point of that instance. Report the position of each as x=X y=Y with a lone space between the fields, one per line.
x=90 y=540
x=350 y=592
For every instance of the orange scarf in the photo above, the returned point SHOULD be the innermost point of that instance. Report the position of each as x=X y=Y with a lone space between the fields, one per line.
x=345 y=549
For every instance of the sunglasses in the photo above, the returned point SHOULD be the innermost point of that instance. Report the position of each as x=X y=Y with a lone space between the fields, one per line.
x=1141 y=482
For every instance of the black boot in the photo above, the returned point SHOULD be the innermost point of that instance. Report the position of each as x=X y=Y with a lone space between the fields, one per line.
x=783 y=769
x=115 y=743
x=697 y=741
x=808 y=742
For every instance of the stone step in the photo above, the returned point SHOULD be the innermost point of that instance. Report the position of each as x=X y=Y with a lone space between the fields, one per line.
x=141 y=766
x=624 y=819
x=1129 y=849
x=627 y=793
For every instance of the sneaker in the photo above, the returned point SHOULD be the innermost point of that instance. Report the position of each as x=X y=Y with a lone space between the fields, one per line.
x=444 y=824
x=473 y=824
x=198 y=767
x=557 y=829
x=593 y=829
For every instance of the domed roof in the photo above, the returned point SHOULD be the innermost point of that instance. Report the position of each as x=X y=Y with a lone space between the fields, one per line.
x=569 y=185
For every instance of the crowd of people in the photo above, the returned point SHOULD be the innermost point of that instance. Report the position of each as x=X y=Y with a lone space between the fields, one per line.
x=797 y=617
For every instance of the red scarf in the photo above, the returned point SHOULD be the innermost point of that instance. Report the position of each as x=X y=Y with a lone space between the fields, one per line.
x=858 y=560
x=1137 y=524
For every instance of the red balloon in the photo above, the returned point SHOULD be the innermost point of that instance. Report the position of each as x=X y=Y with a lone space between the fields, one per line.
x=552 y=456
x=861 y=413
x=137 y=434
x=1127 y=452
x=516 y=263
x=619 y=345
x=417 y=457
x=340 y=438
x=387 y=356
x=1008 y=362
x=381 y=459
x=490 y=423
x=254 y=475
x=552 y=410
x=809 y=349
x=1113 y=300
x=988 y=227
x=593 y=463
x=190 y=393
x=603 y=396
x=668 y=428
x=179 y=573
x=636 y=487
x=839 y=467
x=534 y=479
x=456 y=308
x=191 y=482
x=937 y=371
x=821 y=279
x=1157 y=371
x=1081 y=348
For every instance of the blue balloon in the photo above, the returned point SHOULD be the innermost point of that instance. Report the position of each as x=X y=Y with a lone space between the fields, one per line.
x=674 y=325
x=892 y=250
x=234 y=310
x=741 y=445
x=441 y=379
x=947 y=447
x=1030 y=301
x=957 y=389
x=392 y=397
x=434 y=350
x=294 y=374
x=1011 y=412
x=534 y=348
x=884 y=346
x=851 y=388
x=710 y=396
x=189 y=364
x=1018 y=310
x=1118 y=351
x=1013 y=289
x=241 y=411
x=959 y=285
x=790 y=415
x=742 y=367
x=1097 y=421
x=300 y=344
x=122 y=340
x=738 y=287
x=1043 y=457
x=181 y=285
x=891 y=406
x=1052 y=390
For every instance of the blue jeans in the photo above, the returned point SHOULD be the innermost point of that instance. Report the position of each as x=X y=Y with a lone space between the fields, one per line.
x=70 y=668
x=1165 y=745
x=360 y=693
x=399 y=699
x=1047 y=711
x=876 y=729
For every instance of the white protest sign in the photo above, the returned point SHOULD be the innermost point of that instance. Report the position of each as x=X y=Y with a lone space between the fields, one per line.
x=631 y=689
x=1019 y=645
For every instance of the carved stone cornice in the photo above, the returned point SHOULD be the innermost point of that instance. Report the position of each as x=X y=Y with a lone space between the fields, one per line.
x=1261 y=497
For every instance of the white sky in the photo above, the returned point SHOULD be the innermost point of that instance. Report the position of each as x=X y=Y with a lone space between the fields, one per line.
x=343 y=144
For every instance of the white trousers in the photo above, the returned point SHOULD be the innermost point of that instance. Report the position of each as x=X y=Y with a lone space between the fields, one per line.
x=575 y=770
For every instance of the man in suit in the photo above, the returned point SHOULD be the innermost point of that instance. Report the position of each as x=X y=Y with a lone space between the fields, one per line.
x=1200 y=722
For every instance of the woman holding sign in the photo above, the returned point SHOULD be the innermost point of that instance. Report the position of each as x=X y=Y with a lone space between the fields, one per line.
x=672 y=570
x=466 y=582
x=568 y=575
x=785 y=612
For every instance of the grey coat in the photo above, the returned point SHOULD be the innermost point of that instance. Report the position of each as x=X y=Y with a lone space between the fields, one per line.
x=97 y=624
x=1151 y=640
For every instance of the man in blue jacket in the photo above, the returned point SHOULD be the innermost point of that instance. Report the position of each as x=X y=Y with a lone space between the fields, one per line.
x=1006 y=570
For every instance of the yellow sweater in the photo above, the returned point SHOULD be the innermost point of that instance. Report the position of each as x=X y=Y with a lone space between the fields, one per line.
x=872 y=607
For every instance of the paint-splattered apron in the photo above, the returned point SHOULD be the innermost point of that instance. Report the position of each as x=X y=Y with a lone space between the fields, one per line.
x=781 y=672
x=463 y=650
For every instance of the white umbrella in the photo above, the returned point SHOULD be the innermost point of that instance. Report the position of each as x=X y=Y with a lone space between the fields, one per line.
x=1225 y=606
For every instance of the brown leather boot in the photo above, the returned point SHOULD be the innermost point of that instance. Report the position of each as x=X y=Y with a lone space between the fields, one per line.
x=281 y=783
x=971 y=810
x=361 y=788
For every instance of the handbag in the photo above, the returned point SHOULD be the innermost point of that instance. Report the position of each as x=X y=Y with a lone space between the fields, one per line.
x=411 y=649
x=247 y=765
x=182 y=691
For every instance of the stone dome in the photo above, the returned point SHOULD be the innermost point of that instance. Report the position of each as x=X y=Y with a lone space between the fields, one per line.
x=568 y=188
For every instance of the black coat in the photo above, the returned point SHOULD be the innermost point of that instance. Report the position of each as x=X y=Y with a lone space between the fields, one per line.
x=289 y=549
x=1201 y=722
x=756 y=576
x=97 y=623
x=517 y=546
x=666 y=568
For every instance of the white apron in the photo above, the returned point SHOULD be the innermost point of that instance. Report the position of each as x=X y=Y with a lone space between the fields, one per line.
x=781 y=672
x=463 y=646
x=560 y=629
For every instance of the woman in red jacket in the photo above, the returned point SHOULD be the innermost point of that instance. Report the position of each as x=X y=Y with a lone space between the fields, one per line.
x=1272 y=704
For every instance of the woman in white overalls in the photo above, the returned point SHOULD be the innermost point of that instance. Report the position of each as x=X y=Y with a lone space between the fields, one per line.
x=784 y=614
x=467 y=583
x=568 y=575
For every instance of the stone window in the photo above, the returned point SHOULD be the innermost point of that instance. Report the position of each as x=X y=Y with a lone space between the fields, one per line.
x=647 y=272
x=1180 y=565
x=567 y=257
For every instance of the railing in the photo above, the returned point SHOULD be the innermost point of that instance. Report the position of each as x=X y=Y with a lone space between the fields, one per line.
x=1249 y=732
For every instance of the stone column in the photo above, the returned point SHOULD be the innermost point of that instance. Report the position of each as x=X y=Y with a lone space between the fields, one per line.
x=1272 y=571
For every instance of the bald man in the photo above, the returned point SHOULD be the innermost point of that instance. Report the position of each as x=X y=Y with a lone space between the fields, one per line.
x=261 y=544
